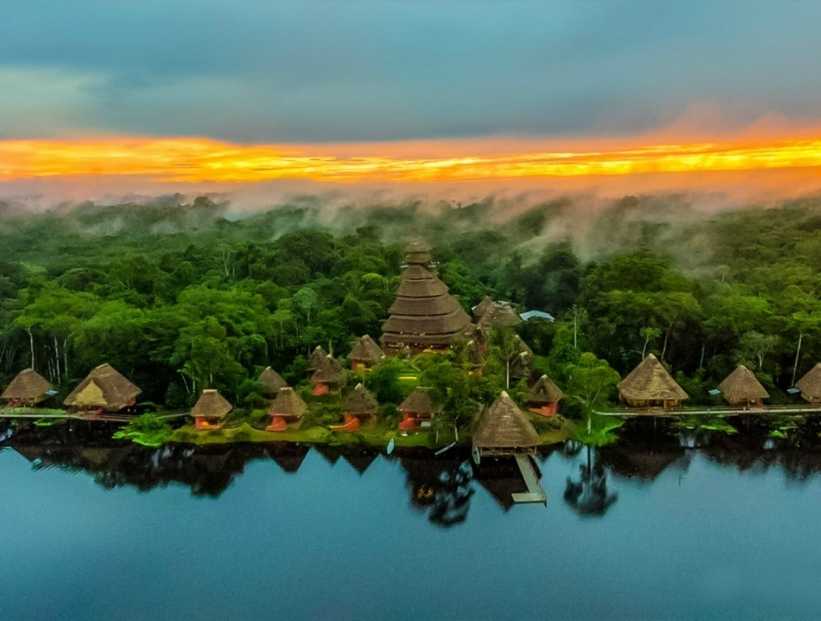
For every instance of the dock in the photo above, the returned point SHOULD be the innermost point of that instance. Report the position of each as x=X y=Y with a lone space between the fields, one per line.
x=773 y=410
x=32 y=414
x=534 y=492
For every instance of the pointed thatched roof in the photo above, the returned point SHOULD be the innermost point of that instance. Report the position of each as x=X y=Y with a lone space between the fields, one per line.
x=329 y=371
x=365 y=349
x=104 y=387
x=544 y=391
x=360 y=402
x=288 y=404
x=504 y=426
x=27 y=385
x=650 y=381
x=810 y=384
x=500 y=315
x=418 y=402
x=484 y=305
x=317 y=358
x=423 y=313
x=271 y=382
x=417 y=252
x=211 y=404
x=742 y=386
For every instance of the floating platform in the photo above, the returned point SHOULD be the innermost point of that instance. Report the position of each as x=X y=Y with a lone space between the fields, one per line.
x=534 y=492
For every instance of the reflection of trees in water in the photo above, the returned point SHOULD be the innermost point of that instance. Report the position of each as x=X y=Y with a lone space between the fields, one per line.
x=439 y=486
x=589 y=495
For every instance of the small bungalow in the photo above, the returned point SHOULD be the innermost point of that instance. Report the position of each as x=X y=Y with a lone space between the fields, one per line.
x=416 y=409
x=105 y=390
x=651 y=385
x=28 y=388
x=810 y=385
x=328 y=377
x=503 y=429
x=287 y=410
x=360 y=405
x=316 y=358
x=271 y=382
x=365 y=354
x=544 y=396
x=211 y=408
x=742 y=388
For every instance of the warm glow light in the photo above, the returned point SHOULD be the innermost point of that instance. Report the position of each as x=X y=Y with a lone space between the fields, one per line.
x=205 y=160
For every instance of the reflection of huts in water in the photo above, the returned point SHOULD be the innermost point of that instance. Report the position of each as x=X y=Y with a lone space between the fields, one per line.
x=316 y=358
x=501 y=479
x=589 y=496
x=271 y=382
x=810 y=385
x=544 y=396
x=424 y=315
x=503 y=429
x=742 y=388
x=288 y=456
x=328 y=377
x=104 y=389
x=439 y=486
x=359 y=459
x=331 y=454
x=359 y=406
x=416 y=409
x=286 y=410
x=210 y=409
x=641 y=462
x=365 y=354
x=28 y=388
x=651 y=385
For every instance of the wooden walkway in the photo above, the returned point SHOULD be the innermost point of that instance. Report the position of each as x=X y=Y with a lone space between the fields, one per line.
x=534 y=492
x=775 y=410
x=91 y=418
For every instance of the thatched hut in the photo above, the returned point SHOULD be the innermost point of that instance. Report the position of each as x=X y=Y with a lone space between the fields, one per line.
x=104 y=389
x=211 y=408
x=544 y=396
x=271 y=382
x=286 y=410
x=360 y=405
x=810 y=385
x=484 y=305
x=424 y=315
x=328 y=377
x=28 y=388
x=742 y=388
x=316 y=358
x=503 y=429
x=499 y=315
x=365 y=354
x=416 y=409
x=651 y=385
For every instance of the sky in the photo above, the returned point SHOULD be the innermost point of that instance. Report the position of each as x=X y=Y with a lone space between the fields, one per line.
x=300 y=90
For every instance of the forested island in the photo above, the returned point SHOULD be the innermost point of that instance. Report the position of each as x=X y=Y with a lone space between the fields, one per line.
x=182 y=296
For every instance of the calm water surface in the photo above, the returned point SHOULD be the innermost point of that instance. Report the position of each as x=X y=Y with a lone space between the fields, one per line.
x=91 y=532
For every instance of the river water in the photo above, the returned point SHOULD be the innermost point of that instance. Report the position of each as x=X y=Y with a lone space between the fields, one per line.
x=95 y=530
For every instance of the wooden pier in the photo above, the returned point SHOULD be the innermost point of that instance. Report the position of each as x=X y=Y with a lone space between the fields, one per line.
x=720 y=411
x=534 y=492
x=33 y=414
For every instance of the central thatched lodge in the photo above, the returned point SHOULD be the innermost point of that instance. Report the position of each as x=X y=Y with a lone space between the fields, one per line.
x=650 y=385
x=424 y=315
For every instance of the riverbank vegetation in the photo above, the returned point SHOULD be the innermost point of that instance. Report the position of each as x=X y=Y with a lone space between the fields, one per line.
x=183 y=295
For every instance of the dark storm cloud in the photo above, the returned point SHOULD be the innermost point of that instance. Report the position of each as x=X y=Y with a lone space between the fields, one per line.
x=315 y=71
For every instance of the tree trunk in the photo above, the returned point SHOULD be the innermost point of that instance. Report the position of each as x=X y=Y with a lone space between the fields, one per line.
x=507 y=374
x=31 y=346
x=666 y=340
x=701 y=359
x=797 y=356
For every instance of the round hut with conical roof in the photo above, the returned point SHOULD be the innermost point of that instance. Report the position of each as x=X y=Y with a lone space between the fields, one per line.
x=316 y=358
x=271 y=383
x=104 y=389
x=286 y=410
x=359 y=406
x=544 y=396
x=28 y=388
x=210 y=409
x=503 y=429
x=810 y=385
x=424 y=315
x=365 y=354
x=329 y=377
x=650 y=385
x=416 y=409
x=742 y=388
